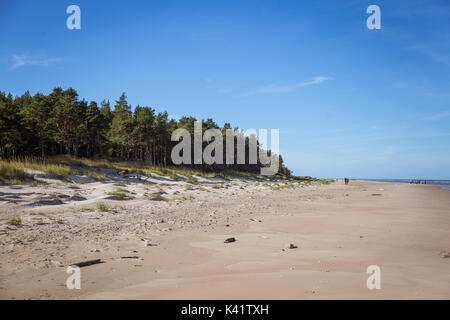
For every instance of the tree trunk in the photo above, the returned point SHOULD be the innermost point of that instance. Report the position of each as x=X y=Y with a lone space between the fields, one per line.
x=165 y=154
x=42 y=150
x=154 y=153
x=100 y=149
x=148 y=153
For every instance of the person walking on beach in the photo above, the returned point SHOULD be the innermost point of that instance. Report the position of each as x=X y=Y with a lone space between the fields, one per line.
x=346 y=181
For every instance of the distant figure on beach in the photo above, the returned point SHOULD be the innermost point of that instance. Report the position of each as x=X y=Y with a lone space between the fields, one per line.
x=346 y=181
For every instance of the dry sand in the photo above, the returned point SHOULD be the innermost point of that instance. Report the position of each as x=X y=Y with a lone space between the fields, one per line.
x=339 y=231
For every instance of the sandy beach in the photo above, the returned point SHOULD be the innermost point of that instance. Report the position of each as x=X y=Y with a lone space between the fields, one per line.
x=176 y=250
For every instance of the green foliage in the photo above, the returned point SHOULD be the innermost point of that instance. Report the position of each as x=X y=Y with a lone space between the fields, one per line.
x=62 y=124
x=157 y=197
x=15 y=221
x=118 y=195
x=12 y=170
x=192 y=180
x=102 y=207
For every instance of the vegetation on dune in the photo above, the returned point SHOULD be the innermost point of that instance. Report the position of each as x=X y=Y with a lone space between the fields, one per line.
x=102 y=207
x=12 y=171
x=61 y=124
x=63 y=166
x=156 y=197
x=118 y=195
x=192 y=180
x=55 y=167
x=16 y=221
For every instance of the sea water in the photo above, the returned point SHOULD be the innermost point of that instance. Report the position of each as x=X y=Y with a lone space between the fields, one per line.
x=444 y=183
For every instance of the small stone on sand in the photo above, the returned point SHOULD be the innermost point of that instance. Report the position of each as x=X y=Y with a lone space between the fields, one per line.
x=444 y=254
x=229 y=240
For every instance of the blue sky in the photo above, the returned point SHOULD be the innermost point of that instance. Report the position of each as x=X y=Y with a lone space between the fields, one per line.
x=348 y=101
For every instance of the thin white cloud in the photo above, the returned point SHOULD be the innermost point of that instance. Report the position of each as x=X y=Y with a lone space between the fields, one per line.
x=439 y=116
x=287 y=88
x=26 y=59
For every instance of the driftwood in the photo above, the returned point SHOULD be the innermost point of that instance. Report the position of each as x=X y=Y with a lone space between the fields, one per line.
x=87 y=263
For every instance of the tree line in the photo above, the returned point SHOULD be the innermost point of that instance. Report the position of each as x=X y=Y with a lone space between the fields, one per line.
x=61 y=123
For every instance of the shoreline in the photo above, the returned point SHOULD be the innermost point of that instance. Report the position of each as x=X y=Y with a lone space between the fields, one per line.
x=338 y=230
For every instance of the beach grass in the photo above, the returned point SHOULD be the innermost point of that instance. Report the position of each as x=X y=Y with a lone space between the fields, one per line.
x=63 y=166
x=156 y=197
x=102 y=207
x=118 y=195
x=13 y=172
x=15 y=221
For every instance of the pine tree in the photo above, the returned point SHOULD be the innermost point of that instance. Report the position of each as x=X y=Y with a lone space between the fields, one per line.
x=144 y=131
x=119 y=131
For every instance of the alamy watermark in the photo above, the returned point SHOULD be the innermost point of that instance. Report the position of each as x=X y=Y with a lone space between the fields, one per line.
x=374 y=20
x=213 y=152
x=74 y=280
x=74 y=20
x=374 y=280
